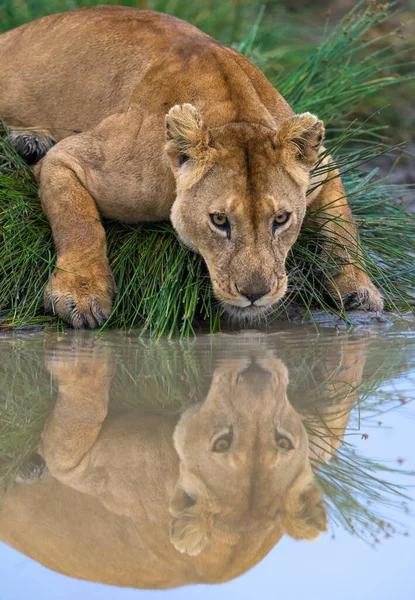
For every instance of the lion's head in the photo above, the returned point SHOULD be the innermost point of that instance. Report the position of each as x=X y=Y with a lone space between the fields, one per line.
x=241 y=200
x=244 y=462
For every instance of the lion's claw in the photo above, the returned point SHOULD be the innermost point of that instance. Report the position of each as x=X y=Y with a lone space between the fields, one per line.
x=363 y=298
x=83 y=302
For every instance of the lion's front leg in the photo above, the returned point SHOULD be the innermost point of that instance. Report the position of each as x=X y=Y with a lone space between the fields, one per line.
x=351 y=282
x=82 y=287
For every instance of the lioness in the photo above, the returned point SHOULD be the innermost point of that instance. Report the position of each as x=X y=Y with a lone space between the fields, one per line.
x=155 y=120
x=158 y=500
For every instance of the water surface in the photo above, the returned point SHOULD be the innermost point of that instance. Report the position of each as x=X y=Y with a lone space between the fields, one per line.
x=269 y=464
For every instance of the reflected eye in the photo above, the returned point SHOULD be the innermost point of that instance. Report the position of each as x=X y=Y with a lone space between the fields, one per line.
x=283 y=442
x=280 y=219
x=223 y=442
x=220 y=220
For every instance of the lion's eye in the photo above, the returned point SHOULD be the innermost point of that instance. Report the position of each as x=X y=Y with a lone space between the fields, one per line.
x=183 y=158
x=220 y=220
x=223 y=442
x=280 y=219
x=283 y=442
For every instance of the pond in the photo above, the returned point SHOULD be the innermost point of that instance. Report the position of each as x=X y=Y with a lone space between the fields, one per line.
x=269 y=463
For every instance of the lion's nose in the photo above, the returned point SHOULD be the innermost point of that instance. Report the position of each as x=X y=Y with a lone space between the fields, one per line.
x=253 y=296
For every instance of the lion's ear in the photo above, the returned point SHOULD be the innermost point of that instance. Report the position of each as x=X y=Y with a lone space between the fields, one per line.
x=187 y=136
x=307 y=518
x=189 y=531
x=300 y=139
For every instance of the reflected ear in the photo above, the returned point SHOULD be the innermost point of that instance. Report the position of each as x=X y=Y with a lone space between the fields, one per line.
x=300 y=139
x=189 y=531
x=308 y=517
x=188 y=144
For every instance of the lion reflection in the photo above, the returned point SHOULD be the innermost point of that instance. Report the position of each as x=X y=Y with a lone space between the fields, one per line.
x=158 y=501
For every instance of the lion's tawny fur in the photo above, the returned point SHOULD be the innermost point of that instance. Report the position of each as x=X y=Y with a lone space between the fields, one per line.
x=155 y=120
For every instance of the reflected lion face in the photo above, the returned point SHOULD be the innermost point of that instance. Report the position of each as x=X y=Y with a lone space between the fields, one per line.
x=244 y=462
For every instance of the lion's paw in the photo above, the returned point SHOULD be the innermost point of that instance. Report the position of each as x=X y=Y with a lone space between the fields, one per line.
x=84 y=302
x=364 y=298
x=31 y=145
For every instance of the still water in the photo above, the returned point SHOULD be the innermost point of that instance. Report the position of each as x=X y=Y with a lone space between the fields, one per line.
x=276 y=464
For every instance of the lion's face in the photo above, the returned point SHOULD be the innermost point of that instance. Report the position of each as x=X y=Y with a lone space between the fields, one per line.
x=244 y=462
x=241 y=200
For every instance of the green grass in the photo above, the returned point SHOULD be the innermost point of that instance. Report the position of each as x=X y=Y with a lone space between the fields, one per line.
x=164 y=287
x=26 y=400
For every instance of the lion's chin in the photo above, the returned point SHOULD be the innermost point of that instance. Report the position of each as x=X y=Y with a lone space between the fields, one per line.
x=248 y=313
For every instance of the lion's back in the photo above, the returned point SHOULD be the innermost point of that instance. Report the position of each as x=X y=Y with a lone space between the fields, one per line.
x=75 y=68
x=67 y=72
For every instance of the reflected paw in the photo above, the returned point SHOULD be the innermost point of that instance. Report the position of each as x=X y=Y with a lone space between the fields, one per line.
x=34 y=470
